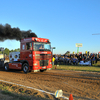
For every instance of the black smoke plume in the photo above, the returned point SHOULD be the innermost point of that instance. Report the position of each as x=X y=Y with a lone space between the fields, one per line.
x=6 y=32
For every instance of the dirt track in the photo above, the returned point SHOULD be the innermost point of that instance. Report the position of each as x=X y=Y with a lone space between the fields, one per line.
x=82 y=85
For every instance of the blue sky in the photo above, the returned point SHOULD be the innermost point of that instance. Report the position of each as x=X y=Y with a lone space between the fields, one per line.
x=64 y=22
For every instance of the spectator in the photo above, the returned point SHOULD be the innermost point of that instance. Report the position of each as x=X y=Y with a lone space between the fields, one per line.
x=96 y=58
x=56 y=60
x=88 y=58
x=66 y=60
x=53 y=60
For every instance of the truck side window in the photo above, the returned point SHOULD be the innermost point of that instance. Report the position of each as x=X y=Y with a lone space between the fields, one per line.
x=28 y=46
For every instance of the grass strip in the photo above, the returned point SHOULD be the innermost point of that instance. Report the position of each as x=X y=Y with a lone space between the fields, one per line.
x=16 y=97
x=78 y=68
x=5 y=90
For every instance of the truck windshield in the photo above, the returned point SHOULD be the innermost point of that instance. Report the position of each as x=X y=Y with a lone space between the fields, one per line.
x=41 y=46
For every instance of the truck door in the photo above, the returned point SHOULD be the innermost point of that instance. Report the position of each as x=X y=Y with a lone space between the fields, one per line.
x=28 y=53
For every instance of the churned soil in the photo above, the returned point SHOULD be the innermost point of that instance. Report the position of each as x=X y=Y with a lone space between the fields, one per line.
x=82 y=85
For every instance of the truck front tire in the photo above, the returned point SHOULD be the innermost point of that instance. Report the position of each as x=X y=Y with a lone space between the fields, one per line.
x=25 y=67
x=6 y=66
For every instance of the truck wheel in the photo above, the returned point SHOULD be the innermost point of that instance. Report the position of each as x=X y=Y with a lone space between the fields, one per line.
x=25 y=68
x=6 y=66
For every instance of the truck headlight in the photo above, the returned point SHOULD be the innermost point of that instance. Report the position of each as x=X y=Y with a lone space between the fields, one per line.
x=35 y=64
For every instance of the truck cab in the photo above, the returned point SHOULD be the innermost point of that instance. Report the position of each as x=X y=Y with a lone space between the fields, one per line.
x=35 y=55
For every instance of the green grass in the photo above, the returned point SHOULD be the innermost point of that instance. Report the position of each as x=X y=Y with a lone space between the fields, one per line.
x=5 y=90
x=16 y=97
x=93 y=68
x=7 y=93
x=23 y=91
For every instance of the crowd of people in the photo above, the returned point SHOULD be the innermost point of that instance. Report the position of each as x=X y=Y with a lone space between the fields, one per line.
x=74 y=59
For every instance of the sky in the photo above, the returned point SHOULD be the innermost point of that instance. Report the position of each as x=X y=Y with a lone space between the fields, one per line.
x=64 y=22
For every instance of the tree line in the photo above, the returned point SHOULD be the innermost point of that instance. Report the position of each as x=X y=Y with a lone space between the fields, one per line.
x=7 y=51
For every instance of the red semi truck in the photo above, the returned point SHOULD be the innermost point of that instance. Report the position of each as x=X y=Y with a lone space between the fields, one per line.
x=35 y=54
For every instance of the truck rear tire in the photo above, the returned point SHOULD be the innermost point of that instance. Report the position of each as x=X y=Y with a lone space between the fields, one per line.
x=25 y=67
x=6 y=66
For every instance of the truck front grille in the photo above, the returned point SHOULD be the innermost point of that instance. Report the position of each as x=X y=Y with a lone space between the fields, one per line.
x=43 y=56
x=43 y=62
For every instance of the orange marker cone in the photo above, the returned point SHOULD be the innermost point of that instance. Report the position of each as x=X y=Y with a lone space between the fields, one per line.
x=70 y=97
